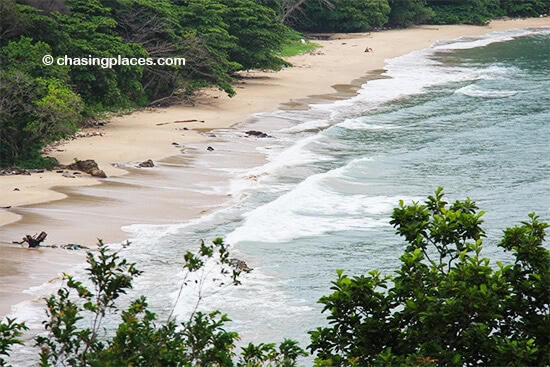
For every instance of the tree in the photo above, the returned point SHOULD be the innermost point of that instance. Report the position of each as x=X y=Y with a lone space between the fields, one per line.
x=48 y=6
x=525 y=8
x=204 y=21
x=157 y=27
x=345 y=16
x=446 y=305
x=77 y=335
x=90 y=32
x=477 y=12
x=258 y=32
x=406 y=13
x=289 y=8
x=33 y=113
x=12 y=21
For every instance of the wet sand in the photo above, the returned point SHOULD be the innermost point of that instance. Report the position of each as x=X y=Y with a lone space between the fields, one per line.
x=82 y=209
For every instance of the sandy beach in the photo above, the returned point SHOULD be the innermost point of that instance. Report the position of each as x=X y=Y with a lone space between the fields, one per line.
x=82 y=209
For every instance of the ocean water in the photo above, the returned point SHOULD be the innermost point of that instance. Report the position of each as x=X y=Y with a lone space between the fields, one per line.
x=471 y=115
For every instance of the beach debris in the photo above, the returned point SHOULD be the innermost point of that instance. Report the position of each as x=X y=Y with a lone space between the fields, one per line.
x=82 y=134
x=258 y=134
x=72 y=246
x=19 y=171
x=368 y=49
x=178 y=122
x=316 y=53
x=240 y=265
x=33 y=241
x=210 y=149
x=89 y=166
x=147 y=163
x=16 y=189
x=68 y=174
x=58 y=145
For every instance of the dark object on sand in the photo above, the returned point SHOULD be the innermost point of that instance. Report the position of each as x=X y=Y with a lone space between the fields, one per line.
x=210 y=149
x=33 y=241
x=147 y=163
x=73 y=246
x=89 y=166
x=257 y=134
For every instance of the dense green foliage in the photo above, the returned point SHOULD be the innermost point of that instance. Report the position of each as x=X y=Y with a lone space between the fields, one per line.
x=409 y=13
x=482 y=11
x=364 y=15
x=345 y=16
x=37 y=104
x=77 y=313
x=447 y=305
x=10 y=331
x=41 y=104
x=464 y=11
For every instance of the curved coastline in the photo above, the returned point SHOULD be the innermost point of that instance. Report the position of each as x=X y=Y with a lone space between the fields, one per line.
x=151 y=134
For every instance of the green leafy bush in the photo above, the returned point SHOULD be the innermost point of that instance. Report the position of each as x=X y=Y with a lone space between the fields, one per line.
x=77 y=336
x=446 y=305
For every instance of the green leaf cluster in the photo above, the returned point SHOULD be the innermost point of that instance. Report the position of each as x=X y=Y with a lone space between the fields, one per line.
x=10 y=331
x=77 y=334
x=480 y=12
x=476 y=12
x=364 y=15
x=37 y=105
x=447 y=305
x=216 y=37
x=344 y=16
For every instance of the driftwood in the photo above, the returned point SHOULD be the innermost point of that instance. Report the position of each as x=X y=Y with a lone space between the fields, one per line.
x=178 y=122
x=33 y=241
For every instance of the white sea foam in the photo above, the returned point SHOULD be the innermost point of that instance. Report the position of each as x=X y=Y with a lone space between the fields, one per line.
x=279 y=159
x=361 y=124
x=495 y=72
x=463 y=43
x=308 y=125
x=428 y=72
x=312 y=208
x=475 y=91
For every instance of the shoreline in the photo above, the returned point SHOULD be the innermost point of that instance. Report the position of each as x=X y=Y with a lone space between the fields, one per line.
x=76 y=210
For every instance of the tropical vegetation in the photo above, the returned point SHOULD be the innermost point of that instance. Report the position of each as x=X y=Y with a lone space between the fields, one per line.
x=446 y=305
x=41 y=104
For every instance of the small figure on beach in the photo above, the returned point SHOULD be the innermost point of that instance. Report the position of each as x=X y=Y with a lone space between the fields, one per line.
x=368 y=49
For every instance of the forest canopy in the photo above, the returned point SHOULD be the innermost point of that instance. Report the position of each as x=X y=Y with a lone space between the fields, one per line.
x=41 y=104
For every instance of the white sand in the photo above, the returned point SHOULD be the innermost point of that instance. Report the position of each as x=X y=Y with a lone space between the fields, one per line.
x=149 y=134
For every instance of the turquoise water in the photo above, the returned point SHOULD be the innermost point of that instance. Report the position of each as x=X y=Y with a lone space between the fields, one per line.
x=471 y=115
